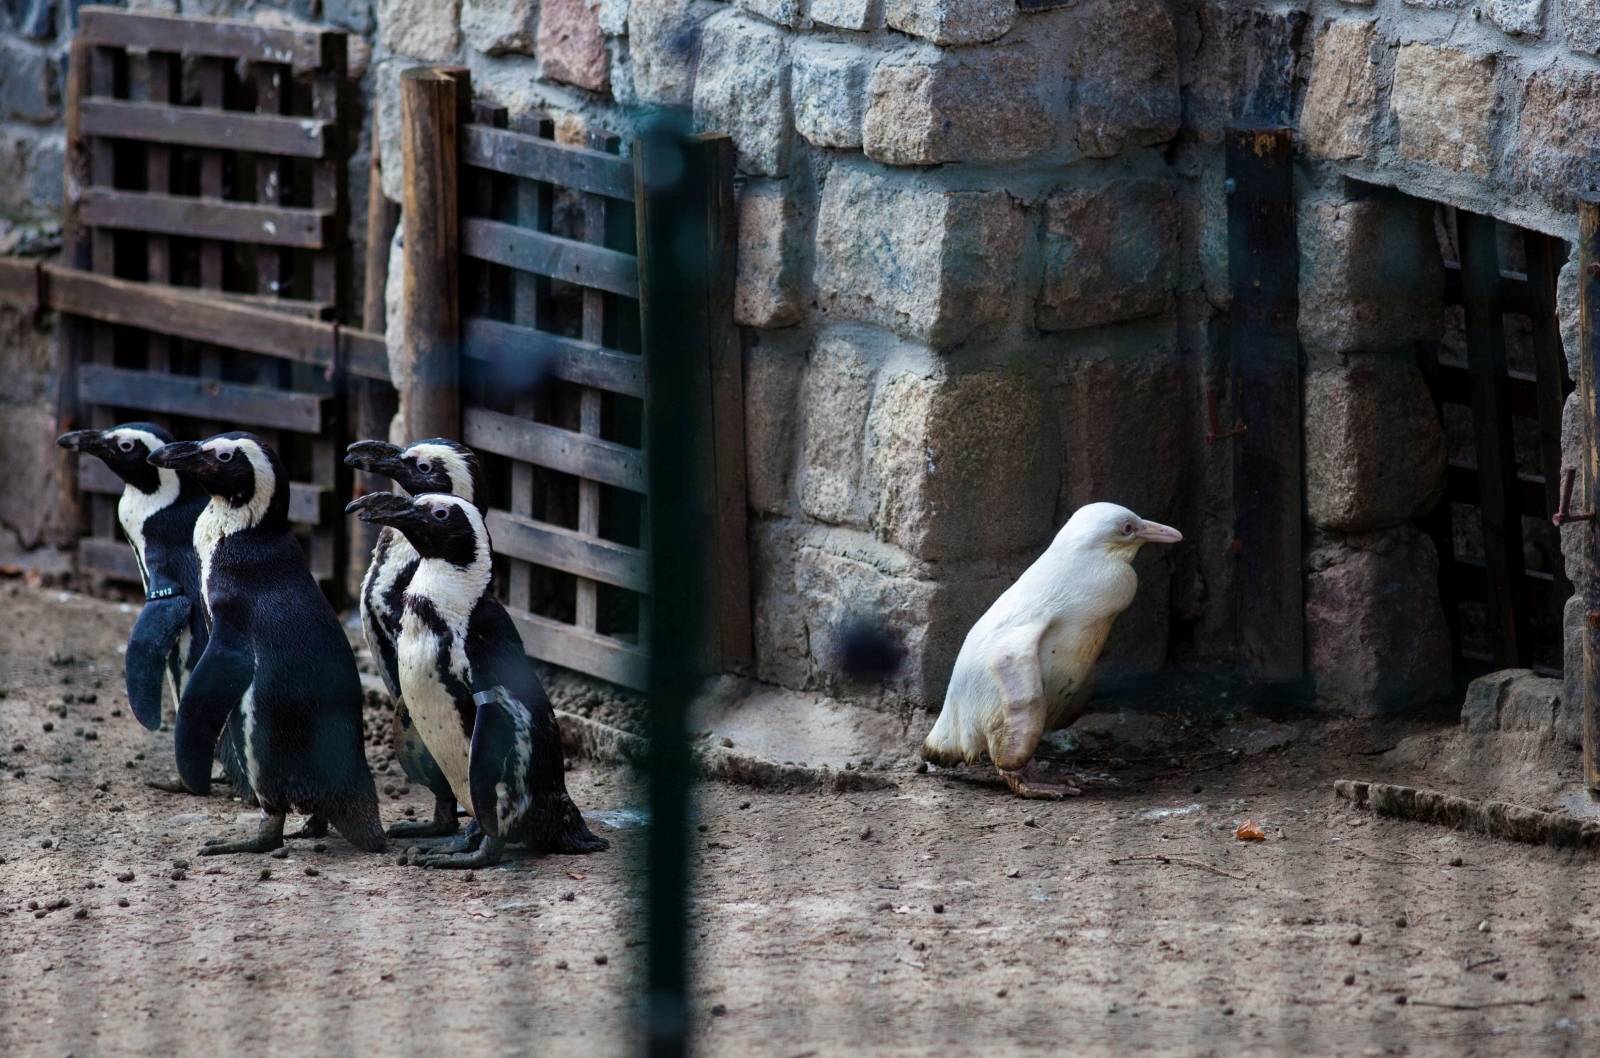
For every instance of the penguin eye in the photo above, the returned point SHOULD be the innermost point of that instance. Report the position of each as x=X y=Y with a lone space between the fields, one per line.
x=440 y=513
x=224 y=456
x=1128 y=528
x=423 y=466
x=125 y=445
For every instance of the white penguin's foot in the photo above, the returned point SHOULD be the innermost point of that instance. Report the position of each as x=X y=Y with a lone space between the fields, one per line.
x=268 y=836
x=487 y=854
x=442 y=825
x=314 y=827
x=1029 y=781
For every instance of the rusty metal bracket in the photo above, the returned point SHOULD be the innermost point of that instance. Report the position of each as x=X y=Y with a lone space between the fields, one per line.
x=1214 y=430
x=1564 y=512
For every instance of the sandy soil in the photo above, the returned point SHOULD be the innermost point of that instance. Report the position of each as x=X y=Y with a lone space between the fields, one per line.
x=941 y=917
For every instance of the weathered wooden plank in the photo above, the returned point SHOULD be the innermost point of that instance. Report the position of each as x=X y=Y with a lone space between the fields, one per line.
x=1263 y=275
x=199 y=397
x=430 y=107
x=104 y=556
x=1462 y=485
x=534 y=158
x=553 y=447
x=569 y=359
x=200 y=127
x=204 y=218
x=1455 y=387
x=562 y=644
x=582 y=555
x=224 y=38
x=1589 y=395
x=202 y=317
x=1493 y=439
x=306 y=502
x=550 y=255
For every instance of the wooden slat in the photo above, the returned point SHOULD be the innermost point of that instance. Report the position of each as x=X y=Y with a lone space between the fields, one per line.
x=198 y=316
x=1455 y=387
x=519 y=537
x=103 y=556
x=203 y=36
x=199 y=397
x=562 y=644
x=553 y=447
x=206 y=218
x=1265 y=369
x=306 y=502
x=201 y=127
x=550 y=255
x=1493 y=439
x=533 y=158
x=569 y=359
x=1463 y=488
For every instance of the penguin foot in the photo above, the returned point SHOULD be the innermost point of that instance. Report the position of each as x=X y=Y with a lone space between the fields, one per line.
x=268 y=836
x=315 y=826
x=487 y=854
x=442 y=825
x=1029 y=782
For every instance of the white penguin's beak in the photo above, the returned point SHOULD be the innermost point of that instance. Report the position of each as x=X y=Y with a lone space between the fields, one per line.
x=1156 y=533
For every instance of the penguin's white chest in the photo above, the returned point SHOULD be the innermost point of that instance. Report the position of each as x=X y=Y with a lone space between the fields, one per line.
x=433 y=709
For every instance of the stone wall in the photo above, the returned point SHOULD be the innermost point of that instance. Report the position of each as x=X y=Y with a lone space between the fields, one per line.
x=982 y=274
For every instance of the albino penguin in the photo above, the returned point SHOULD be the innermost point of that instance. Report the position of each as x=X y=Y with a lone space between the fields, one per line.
x=1027 y=665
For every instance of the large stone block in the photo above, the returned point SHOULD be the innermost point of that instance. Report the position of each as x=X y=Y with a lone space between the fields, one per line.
x=1522 y=18
x=774 y=364
x=830 y=91
x=1580 y=19
x=961 y=466
x=1569 y=721
x=1567 y=311
x=742 y=88
x=1556 y=149
x=496 y=27
x=1342 y=97
x=1371 y=276
x=30 y=88
x=28 y=503
x=428 y=31
x=1244 y=68
x=930 y=264
x=928 y=107
x=848 y=14
x=572 y=48
x=1124 y=70
x=1444 y=104
x=769 y=282
x=1375 y=630
x=1374 y=449
x=1511 y=700
x=1110 y=253
x=387 y=92
x=952 y=21
x=835 y=402
x=781 y=12
x=664 y=38
x=1575 y=535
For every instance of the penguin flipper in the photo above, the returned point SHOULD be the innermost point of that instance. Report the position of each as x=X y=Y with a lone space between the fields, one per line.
x=1018 y=712
x=498 y=764
x=219 y=681
x=150 y=647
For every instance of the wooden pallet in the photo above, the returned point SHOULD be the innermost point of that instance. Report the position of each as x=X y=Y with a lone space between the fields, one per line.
x=206 y=194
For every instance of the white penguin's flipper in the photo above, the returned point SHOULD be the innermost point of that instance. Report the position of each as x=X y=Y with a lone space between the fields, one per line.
x=219 y=681
x=150 y=651
x=1016 y=721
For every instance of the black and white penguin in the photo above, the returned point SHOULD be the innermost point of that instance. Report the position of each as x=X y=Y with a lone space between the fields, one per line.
x=277 y=653
x=157 y=512
x=433 y=465
x=472 y=691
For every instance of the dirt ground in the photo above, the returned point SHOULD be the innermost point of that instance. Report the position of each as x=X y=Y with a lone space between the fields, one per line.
x=938 y=917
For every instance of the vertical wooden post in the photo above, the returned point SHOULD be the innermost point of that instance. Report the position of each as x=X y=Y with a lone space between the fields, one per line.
x=1491 y=427
x=72 y=346
x=1589 y=393
x=1263 y=274
x=431 y=102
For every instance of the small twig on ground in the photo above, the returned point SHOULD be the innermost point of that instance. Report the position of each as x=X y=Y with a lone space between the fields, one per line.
x=1474 y=964
x=1479 y=1006
x=911 y=962
x=1181 y=861
x=1402 y=856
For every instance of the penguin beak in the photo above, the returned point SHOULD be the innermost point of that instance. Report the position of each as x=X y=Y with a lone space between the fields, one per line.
x=175 y=456
x=382 y=508
x=1156 y=533
x=375 y=457
x=90 y=441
